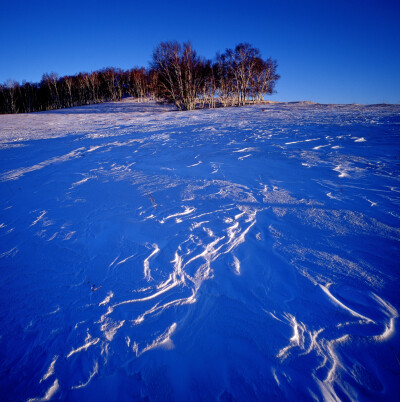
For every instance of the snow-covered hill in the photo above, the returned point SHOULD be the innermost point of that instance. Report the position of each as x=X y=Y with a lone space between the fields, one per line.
x=232 y=254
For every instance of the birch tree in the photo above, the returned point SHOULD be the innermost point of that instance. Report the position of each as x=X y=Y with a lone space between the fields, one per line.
x=179 y=73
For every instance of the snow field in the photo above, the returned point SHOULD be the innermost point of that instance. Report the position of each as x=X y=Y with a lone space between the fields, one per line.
x=246 y=253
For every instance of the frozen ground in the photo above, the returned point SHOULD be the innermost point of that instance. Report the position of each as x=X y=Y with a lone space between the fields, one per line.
x=236 y=254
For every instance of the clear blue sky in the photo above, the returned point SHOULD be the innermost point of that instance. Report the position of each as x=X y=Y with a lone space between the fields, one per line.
x=341 y=51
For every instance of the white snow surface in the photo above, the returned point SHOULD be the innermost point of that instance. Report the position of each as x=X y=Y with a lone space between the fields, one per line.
x=231 y=254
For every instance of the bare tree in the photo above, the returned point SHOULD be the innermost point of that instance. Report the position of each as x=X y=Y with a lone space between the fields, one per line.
x=241 y=63
x=179 y=73
x=50 y=80
x=12 y=88
x=225 y=81
x=165 y=57
x=137 y=78
x=264 y=79
x=68 y=86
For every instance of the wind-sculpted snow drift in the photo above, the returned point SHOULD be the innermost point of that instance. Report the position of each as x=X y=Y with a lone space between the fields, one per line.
x=232 y=254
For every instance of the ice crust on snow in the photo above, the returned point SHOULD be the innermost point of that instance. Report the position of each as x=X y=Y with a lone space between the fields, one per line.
x=240 y=253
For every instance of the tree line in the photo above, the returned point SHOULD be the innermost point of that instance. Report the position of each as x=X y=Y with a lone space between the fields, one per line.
x=176 y=75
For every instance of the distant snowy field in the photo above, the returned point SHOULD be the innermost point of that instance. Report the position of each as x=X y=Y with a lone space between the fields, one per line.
x=237 y=254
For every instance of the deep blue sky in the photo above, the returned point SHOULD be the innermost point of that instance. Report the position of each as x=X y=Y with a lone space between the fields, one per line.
x=341 y=51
